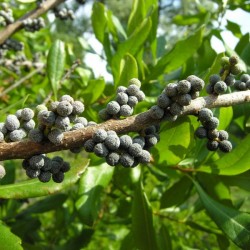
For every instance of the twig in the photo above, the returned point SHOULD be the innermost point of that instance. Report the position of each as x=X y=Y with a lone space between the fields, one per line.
x=25 y=149
x=16 y=84
x=14 y=27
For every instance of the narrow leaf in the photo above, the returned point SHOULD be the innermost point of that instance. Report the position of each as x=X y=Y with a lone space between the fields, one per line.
x=142 y=220
x=55 y=64
x=35 y=188
x=91 y=187
x=235 y=224
x=8 y=240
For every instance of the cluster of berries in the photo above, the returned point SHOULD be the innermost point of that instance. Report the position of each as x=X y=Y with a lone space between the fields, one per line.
x=57 y=119
x=217 y=139
x=6 y=15
x=16 y=127
x=123 y=150
x=230 y=65
x=125 y=101
x=33 y=25
x=64 y=14
x=171 y=102
x=43 y=168
x=243 y=83
x=11 y=44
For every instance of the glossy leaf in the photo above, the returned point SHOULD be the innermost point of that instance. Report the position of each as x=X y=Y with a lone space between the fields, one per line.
x=235 y=224
x=35 y=188
x=142 y=220
x=91 y=187
x=225 y=118
x=8 y=240
x=164 y=238
x=177 y=56
x=128 y=69
x=177 y=193
x=55 y=64
x=173 y=145
x=233 y=163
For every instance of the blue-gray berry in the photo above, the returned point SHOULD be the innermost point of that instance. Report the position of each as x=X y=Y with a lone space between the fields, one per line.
x=126 y=160
x=58 y=177
x=205 y=115
x=12 y=122
x=212 y=145
x=151 y=140
x=36 y=161
x=63 y=123
x=44 y=176
x=53 y=106
x=113 y=108
x=125 y=141
x=197 y=84
x=77 y=126
x=28 y=125
x=176 y=109
x=223 y=135
x=55 y=136
x=32 y=173
x=214 y=79
x=201 y=132
x=184 y=99
x=212 y=134
x=220 y=87
x=78 y=107
x=112 y=142
x=17 y=135
x=67 y=98
x=27 y=114
x=156 y=112
x=144 y=157
x=65 y=167
x=140 y=140
x=163 y=101
x=3 y=128
x=36 y=135
x=225 y=146
x=99 y=135
x=183 y=87
x=81 y=120
x=121 y=89
x=171 y=89
x=101 y=150
x=126 y=110
x=132 y=101
x=135 y=150
x=64 y=108
x=113 y=158
x=212 y=124
x=89 y=145
x=140 y=96
x=46 y=117
x=1 y=137
x=122 y=98
x=104 y=115
x=132 y=90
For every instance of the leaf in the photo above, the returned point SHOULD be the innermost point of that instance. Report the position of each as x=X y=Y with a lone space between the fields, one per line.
x=128 y=69
x=99 y=20
x=35 y=188
x=94 y=90
x=164 y=238
x=235 y=224
x=177 y=193
x=234 y=28
x=233 y=163
x=55 y=64
x=173 y=146
x=91 y=187
x=225 y=118
x=142 y=220
x=178 y=55
x=8 y=240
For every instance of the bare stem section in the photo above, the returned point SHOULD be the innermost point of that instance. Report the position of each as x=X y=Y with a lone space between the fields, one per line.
x=14 y=27
x=25 y=149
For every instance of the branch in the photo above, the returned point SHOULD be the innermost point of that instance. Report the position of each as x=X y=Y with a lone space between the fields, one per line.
x=25 y=149
x=14 y=27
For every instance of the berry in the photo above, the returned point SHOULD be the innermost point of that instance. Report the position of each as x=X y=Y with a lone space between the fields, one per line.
x=205 y=115
x=77 y=126
x=156 y=112
x=113 y=158
x=211 y=124
x=135 y=81
x=150 y=130
x=53 y=106
x=17 y=135
x=225 y=146
x=63 y=123
x=132 y=90
x=171 y=89
x=245 y=77
x=220 y=87
x=197 y=84
x=104 y=115
x=55 y=167
x=12 y=123
x=27 y=114
x=176 y=109
x=18 y=114
x=91 y=123
x=233 y=60
x=78 y=107
x=132 y=101
x=32 y=173
x=121 y=89
x=163 y=101
x=212 y=134
x=135 y=149
x=183 y=87
x=113 y=108
x=145 y=157
x=239 y=85
x=140 y=140
x=122 y=98
x=44 y=176
x=125 y=141
x=55 y=136
x=41 y=107
x=64 y=108
x=28 y=125
x=65 y=167
x=169 y=117
x=224 y=61
x=214 y=79
x=223 y=135
x=99 y=135
x=194 y=94
x=151 y=140
x=210 y=89
x=46 y=117
x=140 y=96
x=201 y=132
x=112 y=142
x=101 y=150
x=212 y=145
x=36 y=135
x=58 y=177
x=236 y=69
x=230 y=80
x=248 y=84
x=2 y=172
x=3 y=128
x=126 y=110
x=184 y=100
x=81 y=120
x=126 y=160
x=36 y=161
x=67 y=98
x=89 y=145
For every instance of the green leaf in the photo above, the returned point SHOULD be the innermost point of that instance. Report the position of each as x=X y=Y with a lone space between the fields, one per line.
x=234 y=28
x=8 y=240
x=55 y=64
x=35 y=188
x=128 y=69
x=178 y=55
x=226 y=116
x=164 y=238
x=91 y=187
x=142 y=220
x=94 y=90
x=187 y=19
x=177 y=193
x=235 y=224
x=173 y=145
x=99 y=20
x=233 y=163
